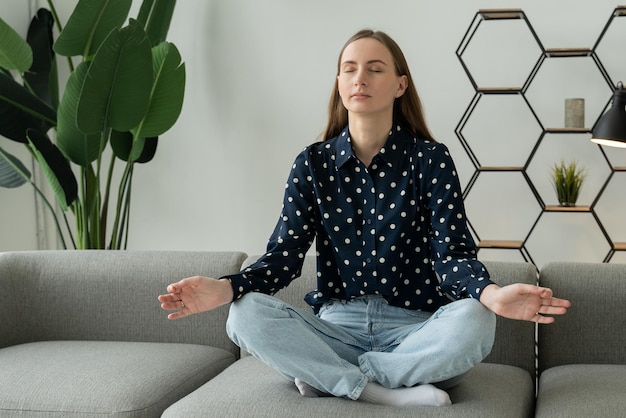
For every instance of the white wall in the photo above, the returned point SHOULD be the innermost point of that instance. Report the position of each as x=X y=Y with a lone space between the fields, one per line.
x=259 y=74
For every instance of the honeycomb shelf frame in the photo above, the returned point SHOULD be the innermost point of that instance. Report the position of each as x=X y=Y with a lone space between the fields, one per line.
x=486 y=15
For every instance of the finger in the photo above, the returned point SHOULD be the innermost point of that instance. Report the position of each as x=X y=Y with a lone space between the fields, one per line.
x=169 y=298
x=177 y=287
x=560 y=302
x=552 y=310
x=173 y=305
x=179 y=314
x=555 y=302
x=545 y=292
x=540 y=319
x=170 y=306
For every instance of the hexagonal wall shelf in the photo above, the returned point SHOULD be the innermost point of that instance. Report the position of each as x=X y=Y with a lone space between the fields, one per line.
x=611 y=39
x=508 y=141
x=616 y=157
x=614 y=214
x=558 y=234
x=507 y=66
x=549 y=88
x=556 y=147
x=525 y=95
x=509 y=194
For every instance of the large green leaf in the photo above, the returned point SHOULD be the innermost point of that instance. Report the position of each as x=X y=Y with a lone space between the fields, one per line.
x=20 y=110
x=122 y=145
x=89 y=25
x=116 y=91
x=80 y=148
x=15 y=54
x=55 y=167
x=155 y=16
x=42 y=74
x=166 y=99
x=12 y=172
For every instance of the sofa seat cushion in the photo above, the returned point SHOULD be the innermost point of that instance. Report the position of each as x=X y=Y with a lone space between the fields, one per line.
x=582 y=390
x=102 y=378
x=249 y=388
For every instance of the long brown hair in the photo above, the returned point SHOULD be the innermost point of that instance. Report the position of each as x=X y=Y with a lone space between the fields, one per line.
x=407 y=109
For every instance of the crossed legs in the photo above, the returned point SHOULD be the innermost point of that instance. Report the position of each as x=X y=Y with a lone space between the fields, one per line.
x=324 y=358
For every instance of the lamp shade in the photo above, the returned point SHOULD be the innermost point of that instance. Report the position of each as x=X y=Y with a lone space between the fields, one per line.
x=611 y=127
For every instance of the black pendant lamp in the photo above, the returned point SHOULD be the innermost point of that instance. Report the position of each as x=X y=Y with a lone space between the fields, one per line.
x=611 y=127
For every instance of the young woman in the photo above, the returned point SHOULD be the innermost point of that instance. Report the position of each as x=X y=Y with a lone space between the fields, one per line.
x=403 y=308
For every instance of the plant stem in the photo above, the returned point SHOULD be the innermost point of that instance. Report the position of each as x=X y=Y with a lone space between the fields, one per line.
x=125 y=222
x=99 y=232
x=83 y=211
x=104 y=212
x=120 y=199
x=54 y=217
x=69 y=229
x=57 y=21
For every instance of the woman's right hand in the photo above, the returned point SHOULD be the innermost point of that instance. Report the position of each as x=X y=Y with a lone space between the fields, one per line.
x=194 y=295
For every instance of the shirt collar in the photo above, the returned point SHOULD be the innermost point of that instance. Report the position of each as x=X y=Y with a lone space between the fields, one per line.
x=343 y=148
x=390 y=153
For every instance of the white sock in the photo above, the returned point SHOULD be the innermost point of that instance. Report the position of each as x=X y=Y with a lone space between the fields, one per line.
x=308 y=390
x=424 y=395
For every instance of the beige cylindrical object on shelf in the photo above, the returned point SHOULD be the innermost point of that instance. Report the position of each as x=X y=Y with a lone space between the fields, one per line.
x=574 y=113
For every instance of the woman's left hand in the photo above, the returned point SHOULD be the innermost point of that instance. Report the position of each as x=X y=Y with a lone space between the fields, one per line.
x=524 y=302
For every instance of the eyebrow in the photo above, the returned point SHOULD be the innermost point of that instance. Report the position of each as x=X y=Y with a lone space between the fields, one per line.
x=376 y=61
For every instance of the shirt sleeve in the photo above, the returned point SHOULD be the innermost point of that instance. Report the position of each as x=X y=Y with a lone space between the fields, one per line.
x=453 y=248
x=292 y=237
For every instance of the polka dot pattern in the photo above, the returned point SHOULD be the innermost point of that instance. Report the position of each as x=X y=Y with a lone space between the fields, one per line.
x=396 y=228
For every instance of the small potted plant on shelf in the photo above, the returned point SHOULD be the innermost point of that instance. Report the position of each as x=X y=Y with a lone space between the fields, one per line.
x=567 y=179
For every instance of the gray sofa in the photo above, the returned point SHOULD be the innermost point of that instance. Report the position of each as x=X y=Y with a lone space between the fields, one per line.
x=83 y=335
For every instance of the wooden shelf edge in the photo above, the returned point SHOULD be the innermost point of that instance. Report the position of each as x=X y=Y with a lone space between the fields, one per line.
x=619 y=246
x=502 y=168
x=559 y=208
x=494 y=14
x=568 y=52
x=499 y=90
x=568 y=130
x=502 y=244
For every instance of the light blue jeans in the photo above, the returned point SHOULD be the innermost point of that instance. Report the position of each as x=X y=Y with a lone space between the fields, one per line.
x=352 y=343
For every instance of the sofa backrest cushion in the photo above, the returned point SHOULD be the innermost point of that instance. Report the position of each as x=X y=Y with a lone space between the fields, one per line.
x=592 y=331
x=515 y=340
x=106 y=295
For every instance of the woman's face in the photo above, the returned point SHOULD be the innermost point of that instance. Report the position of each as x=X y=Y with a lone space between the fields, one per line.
x=367 y=80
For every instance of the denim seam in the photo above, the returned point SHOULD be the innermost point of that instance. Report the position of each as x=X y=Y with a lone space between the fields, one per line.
x=356 y=392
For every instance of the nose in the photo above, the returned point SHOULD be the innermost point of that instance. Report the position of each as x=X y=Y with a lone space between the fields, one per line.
x=360 y=78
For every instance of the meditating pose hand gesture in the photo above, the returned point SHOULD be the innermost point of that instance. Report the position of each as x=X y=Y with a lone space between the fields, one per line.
x=194 y=295
x=516 y=301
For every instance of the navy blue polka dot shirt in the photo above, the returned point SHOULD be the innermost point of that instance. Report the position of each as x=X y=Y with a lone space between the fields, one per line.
x=396 y=228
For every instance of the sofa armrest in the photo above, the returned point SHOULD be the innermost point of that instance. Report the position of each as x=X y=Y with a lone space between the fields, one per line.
x=106 y=295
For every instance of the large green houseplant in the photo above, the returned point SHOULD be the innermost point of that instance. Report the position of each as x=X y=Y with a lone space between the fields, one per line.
x=125 y=88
